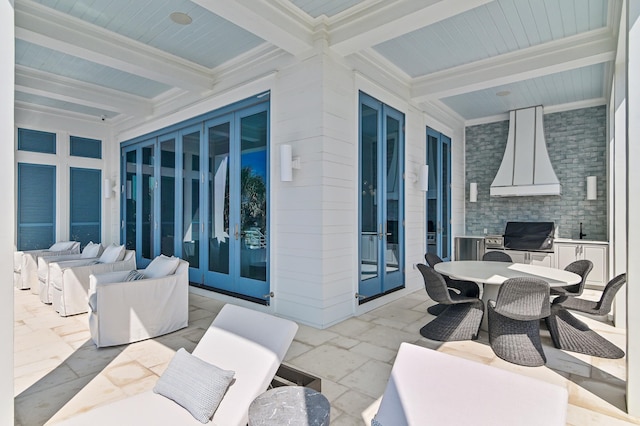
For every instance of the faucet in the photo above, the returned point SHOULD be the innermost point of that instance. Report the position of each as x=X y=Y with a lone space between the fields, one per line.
x=581 y=234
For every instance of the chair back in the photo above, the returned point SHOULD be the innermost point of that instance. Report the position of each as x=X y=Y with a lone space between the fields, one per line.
x=432 y=259
x=603 y=306
x=523 y=298
x=497 y=256
x=435 y=285
x=582 y=268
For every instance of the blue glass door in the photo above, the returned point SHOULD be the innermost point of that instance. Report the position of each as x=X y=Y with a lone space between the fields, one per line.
x=381 y=245
x=439 y=194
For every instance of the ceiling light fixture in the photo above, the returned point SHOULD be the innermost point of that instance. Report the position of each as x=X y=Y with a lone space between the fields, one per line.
x=181 y=18
x=503 y=93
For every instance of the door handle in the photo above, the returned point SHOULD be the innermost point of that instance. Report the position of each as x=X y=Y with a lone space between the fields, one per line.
x=236 y=233
x=380 y=231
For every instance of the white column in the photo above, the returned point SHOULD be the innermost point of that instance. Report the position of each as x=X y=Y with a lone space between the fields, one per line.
x=7 y=215
x=633 y=207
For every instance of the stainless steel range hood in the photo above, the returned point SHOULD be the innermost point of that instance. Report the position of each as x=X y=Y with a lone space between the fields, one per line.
x=526 y=169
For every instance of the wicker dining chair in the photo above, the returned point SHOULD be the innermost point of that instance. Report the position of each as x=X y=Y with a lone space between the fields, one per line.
x=514 y=320
x=497 y=256
x=459 y=287
x=462 y=316
x=571 y=334
x=580 y=267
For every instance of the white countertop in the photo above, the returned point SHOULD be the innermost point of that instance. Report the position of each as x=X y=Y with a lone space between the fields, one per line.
x=570 y=241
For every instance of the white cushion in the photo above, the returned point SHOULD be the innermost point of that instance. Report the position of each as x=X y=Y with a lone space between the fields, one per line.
x=112 y=253
x=62 y=245
x=161 y=266
x=194 y=384
x=91 y=250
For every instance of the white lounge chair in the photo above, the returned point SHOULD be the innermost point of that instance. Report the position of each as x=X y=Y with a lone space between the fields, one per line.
x=428 y=387
x=124 y=311
x=251 y=343
x=70 y=280
x=25 y=263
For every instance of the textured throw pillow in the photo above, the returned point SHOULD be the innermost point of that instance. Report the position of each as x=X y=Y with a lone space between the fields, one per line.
x=194 y=384
x=134 y=276
x=91 y=250
x=62 y=245
x=161 y=266
x=112 y=253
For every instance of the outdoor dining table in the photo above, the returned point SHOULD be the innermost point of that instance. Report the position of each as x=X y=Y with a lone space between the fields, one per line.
x=493 y=274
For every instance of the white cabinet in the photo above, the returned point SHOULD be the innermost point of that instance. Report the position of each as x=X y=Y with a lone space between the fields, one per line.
x=596 y=252
x=531 y=257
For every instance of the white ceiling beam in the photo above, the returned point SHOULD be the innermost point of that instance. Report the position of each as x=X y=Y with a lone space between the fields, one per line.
x=267 y=20
x=63 y=89
x=69 y=35
x=387 y=20
x=550 y=58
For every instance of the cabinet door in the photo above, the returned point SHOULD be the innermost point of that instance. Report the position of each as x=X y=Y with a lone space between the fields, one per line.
x=541 y=259
x=565 y=254
x=597 y=254
x=518 y=256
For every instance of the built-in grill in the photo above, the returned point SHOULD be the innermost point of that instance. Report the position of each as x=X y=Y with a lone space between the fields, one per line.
x=530 y=236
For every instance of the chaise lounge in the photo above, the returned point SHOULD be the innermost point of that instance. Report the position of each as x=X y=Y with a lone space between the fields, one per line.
x=249 y=343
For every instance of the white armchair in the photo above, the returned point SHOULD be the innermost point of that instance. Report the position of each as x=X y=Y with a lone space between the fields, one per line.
x=25 y=263
x=69 y=281
x=128 y=311
x=91 y=251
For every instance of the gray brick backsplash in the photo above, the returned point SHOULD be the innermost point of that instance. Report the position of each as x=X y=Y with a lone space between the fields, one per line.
x=577 y=145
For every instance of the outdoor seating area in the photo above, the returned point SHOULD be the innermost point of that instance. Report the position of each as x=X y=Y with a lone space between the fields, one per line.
x=59 y=372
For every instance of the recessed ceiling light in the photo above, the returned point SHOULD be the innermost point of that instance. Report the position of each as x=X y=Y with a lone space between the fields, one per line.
x=503 y=93
x=181 y=18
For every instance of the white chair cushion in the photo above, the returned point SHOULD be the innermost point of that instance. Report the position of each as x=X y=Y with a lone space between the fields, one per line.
x=112 y=253
x=194 y=384
x=91 y=250
x=161 y=266
x=62 y=245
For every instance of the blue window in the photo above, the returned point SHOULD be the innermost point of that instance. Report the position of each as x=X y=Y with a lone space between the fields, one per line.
x=36 y=206
x=85 y=147
x=85 y=205
x=36 y=141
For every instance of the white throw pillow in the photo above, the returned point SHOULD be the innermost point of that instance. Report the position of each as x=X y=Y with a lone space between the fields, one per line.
x=161 y=266
x=62 y=245
x=194 y=384
x=91 y=250
x=112 y=253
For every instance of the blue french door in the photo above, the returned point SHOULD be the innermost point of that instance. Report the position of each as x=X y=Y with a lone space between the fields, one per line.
x=381 y=248
x=439 y=194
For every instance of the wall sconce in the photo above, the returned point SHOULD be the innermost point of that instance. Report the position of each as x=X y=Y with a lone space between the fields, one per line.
x=592 y=188
x=421 y=178
x=473 y=192
x=287 y=163
x=108 y=188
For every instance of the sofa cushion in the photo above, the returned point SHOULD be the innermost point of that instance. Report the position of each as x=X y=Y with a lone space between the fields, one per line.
x=112 y=253
x=62 y=245
x=134 y=276
x=91 y=250
x=161 y=266
x=194 y=384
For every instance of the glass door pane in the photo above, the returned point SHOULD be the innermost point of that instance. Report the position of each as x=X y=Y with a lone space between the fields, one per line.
x=394 y=179
x=191 y=198
x=253 y=197
x=438 y=195
x=445 y=236
x=432 y=193
x=148 y=201
x=167 y=196
x=219 y=155
x=130 y=197
x=369 y=180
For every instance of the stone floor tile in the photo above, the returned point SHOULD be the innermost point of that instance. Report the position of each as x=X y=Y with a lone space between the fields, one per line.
x=329 y=362
x=369 y=379
x=312 y=336
x=353 y=403
x=375 y=352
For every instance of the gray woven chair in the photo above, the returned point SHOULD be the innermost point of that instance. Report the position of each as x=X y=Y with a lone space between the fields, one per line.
x=571 y=334
x=514 y=320
x=459 y=287
x=580 y=267
x=462 y=316
x=497 y=256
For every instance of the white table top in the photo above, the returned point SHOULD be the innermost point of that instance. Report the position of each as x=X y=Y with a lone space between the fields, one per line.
x=499 y=272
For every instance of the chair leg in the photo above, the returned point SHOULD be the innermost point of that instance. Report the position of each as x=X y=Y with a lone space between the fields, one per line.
x=571 y=334
x=457 y=322
x=516 y=341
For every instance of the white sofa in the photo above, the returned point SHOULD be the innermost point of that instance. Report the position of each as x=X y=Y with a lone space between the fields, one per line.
x=91 y=252
x=428 y=387
x=128 y=311
x=251 y=343
x=25 y=263
x=69 y=281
